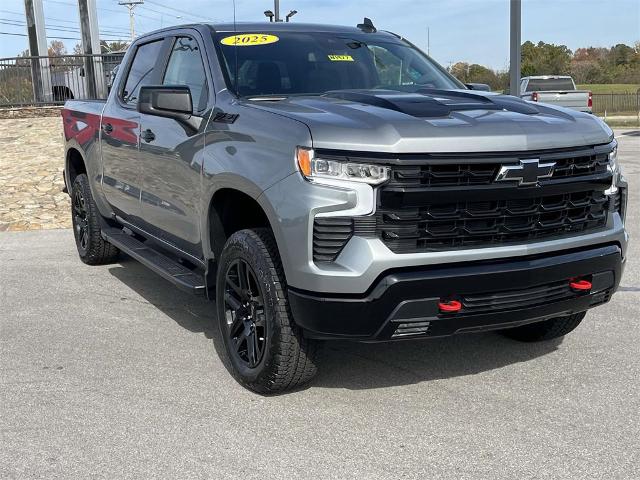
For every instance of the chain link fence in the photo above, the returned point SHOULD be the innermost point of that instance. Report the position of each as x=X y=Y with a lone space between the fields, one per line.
x=26 y=81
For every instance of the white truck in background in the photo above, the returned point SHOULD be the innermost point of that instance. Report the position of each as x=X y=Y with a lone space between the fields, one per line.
x=557 y=90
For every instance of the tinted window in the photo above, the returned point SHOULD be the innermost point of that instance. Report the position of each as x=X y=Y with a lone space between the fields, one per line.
x=141 y=71
x=283 y=63
x=185 y=67
x=549 y=84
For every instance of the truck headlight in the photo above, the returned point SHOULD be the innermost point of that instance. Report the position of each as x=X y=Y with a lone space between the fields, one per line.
x=614 y=168
x=317 y=169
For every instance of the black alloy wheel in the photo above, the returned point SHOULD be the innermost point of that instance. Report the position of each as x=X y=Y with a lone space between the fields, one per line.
x=245 y=314
x=80 y=220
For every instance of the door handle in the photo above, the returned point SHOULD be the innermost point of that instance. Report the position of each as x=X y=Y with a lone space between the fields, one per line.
x=107 y=128
x=148 y=136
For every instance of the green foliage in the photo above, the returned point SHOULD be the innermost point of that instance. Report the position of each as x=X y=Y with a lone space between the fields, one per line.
x=619 y=64
x=475 y=73
x=545 y=59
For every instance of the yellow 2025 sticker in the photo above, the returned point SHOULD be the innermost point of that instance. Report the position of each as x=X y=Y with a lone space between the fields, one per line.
x=341 y=58
x=249 y=39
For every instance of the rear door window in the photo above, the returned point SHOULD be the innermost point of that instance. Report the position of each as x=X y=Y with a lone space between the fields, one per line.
x=141 y=71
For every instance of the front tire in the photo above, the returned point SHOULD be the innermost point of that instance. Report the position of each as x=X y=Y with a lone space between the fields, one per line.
x=265 y=351
x=545 y=330
x=92 y=248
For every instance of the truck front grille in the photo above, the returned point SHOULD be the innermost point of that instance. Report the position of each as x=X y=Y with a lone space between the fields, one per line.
x=444 y=201
x=482 y=169
x=469 y=223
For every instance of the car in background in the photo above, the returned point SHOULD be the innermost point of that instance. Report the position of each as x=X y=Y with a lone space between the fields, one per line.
x=557 y=90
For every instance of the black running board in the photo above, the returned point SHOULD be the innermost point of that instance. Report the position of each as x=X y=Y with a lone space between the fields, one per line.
x=167 y=268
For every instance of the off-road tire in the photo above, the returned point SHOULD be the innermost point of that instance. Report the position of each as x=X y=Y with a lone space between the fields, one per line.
x=545 y=330
x=92 y=248
x=288 y=358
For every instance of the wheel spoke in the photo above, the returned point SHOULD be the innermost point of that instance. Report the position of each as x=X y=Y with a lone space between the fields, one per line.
x=239 y=341
x=242 y=276
x=252 y=349
x=232 y=301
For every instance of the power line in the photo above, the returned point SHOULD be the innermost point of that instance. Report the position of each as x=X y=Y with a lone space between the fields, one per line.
x=62 y=28
x=184 y=12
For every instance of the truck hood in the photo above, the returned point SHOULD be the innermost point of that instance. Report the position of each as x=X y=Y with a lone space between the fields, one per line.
x=433 y=121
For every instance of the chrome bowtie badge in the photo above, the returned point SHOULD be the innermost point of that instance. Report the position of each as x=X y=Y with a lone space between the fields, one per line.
x=529 y=172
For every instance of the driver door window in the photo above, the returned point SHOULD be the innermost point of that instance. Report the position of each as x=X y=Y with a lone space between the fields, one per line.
x=185 y=67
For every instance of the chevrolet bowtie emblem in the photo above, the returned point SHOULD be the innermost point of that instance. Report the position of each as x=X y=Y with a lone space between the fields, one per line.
x=529 y=172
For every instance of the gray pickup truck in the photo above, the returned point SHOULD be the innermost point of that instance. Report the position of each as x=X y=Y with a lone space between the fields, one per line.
x=559 y=90
x=320 y=182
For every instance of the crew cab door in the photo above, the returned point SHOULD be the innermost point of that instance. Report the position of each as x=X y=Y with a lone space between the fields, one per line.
x=121 y=181
x=171 y=150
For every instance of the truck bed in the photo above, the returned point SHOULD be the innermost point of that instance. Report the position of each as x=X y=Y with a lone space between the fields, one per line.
x=81 y=119
x=576 y=99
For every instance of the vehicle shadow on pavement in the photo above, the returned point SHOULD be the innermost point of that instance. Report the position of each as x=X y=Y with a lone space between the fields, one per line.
x=345 y=364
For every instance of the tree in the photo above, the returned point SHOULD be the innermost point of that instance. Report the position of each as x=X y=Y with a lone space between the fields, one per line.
x=56 y=49
x=117 y=46
x=475 y=73
x=545 y=59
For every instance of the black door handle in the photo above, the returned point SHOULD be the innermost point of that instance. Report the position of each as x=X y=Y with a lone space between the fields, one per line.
x=148 y=136
x=107 y=128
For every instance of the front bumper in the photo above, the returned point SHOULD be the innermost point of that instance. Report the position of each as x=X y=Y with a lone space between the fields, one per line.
x=403 y=303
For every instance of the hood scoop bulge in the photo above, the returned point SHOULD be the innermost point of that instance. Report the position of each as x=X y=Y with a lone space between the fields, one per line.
x=433 y=103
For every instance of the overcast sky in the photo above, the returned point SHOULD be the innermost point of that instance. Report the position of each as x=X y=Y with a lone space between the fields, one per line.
x=476 y=31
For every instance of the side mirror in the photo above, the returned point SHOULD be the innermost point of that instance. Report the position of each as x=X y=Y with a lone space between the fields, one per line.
x=166 y=101
x=483 y=87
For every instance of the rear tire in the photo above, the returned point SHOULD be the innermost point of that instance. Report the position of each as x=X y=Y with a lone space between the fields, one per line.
x=265 y=351
x=92 y=248
x=545 y=330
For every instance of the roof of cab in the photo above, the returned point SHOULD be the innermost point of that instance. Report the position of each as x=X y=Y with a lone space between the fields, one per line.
x=281 y=27
x=256 y=27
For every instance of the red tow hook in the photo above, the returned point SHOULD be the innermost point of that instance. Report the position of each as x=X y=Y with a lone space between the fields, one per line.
x=449 y=306
x=580 y=285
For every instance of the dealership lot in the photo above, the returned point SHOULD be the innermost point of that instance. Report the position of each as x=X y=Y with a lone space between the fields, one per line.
x=110 y=372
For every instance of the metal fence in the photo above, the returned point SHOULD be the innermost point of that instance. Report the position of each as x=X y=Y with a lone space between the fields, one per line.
x=616 y=103
x=53 y=80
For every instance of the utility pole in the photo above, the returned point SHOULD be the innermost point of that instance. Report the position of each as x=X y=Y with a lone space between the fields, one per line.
x=515 y=47
x=40 y=72
x=428 y=42
x=276 y=10
x=131 y=5
x=90 y=36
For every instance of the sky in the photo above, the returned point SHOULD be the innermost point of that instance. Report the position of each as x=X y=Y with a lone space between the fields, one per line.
x=475 y=31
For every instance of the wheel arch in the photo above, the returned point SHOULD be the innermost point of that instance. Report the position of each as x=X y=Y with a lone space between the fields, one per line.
x=231 y=208
x=74 y=165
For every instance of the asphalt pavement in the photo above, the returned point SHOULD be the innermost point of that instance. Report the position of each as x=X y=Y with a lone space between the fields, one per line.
x=110 y=372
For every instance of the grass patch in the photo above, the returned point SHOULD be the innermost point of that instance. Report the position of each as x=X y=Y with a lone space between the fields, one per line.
x=610 y=87
x=622 y=123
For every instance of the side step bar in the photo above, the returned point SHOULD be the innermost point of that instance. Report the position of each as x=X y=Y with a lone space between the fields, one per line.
x=178 y=274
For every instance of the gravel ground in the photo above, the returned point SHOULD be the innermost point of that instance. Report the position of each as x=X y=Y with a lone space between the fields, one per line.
x=110 y=372
x=31 y=181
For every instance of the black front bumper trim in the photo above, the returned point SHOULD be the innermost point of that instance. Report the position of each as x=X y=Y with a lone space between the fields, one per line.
x=403 y=297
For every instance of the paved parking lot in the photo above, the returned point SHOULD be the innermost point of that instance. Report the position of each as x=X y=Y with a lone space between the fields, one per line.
x=109 y=372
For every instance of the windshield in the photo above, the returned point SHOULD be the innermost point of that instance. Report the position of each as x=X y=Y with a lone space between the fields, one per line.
x=296 y=63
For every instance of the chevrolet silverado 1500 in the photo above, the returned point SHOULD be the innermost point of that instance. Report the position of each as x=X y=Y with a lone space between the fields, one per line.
x=320 y=182
x=557 y=90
